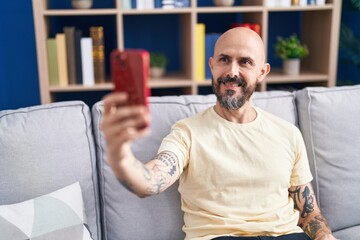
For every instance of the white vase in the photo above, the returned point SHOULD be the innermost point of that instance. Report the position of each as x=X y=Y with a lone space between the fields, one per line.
x=157 y=72
x=81 y=4
x=291 y=66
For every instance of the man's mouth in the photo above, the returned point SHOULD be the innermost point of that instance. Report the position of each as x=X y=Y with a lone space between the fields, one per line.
x=231 y=82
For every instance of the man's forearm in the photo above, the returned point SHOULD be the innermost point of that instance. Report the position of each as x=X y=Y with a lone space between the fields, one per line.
x=311 y=220
x=315 y=225
x=150 y=178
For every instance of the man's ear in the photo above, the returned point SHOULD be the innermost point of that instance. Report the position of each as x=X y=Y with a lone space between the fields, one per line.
x=211 y=63
x=263 y=72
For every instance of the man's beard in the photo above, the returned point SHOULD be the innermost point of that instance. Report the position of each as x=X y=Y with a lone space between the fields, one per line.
x=229 y=100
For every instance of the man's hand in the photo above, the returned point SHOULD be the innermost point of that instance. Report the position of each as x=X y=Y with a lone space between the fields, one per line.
x=121 y=124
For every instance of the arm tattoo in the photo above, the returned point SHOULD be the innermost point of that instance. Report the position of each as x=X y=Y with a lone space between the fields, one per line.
x=159 y=177
x=308 y=201
x=317 y=223
x=163 y=171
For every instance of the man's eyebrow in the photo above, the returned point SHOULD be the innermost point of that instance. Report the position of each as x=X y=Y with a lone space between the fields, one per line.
x=223 y=55
x=250 y=59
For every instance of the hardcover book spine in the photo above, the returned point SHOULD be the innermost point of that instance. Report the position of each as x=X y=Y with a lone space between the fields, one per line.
x=62 y=62
x=200 y=52
x=78 y=36
x=97 y=35
x=53 y=63
x=70 y=53
x=87 y=61
x=126 y=4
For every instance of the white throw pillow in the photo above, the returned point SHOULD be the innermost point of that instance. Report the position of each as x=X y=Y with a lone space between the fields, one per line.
x=57 y=216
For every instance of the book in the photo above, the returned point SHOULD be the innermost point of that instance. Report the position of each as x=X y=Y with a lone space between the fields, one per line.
x=210 y=40
x=70 y=53
x=200 y=52
x=52 y=62
x=149 y=4
x=157 y=3
x=126 y=4
x=141 y=4
x=78 y=67
x=168 y=4
x=62 y=59
x=97 y=36
x=87 y=62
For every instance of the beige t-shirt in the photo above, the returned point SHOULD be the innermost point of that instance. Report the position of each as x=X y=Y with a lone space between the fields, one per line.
x=235 y=177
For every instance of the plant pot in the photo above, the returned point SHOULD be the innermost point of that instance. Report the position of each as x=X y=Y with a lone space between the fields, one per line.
x=291 y=66
x=81 y=4
x=157 y=72
x=224 y=3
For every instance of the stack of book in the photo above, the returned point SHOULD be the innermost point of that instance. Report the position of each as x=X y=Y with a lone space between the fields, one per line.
x=288 y=3
x=74 y=59
x=151 y=4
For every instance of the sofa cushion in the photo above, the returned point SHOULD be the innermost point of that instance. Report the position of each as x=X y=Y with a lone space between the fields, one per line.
x=329 y=119
x=45 y=148
x=129 y=217
x=56 y=216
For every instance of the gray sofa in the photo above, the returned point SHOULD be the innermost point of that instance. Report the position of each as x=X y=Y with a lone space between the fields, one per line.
x=45 y=148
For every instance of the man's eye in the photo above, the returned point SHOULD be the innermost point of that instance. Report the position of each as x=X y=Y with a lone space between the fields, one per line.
x=223 y=59
x=246 y=61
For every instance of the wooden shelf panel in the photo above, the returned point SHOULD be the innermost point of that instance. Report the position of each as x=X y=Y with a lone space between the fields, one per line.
x=153 y=83
x=87 y=12
x=276 y=76
x=301 y=8
x=156 y=11
x=229 y=9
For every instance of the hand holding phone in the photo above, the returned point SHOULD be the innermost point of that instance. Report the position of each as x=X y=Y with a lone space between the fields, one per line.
x=130 y=74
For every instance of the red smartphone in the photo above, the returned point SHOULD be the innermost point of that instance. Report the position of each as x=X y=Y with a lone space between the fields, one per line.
x=130 y=73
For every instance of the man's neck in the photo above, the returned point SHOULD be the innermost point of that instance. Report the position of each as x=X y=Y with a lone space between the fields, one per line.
x=245 y=114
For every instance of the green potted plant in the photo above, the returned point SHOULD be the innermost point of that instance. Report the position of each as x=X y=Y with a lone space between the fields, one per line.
x=291 y=51
x=158 y=63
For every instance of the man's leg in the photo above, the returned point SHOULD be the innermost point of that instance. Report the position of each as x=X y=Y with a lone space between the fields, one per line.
x=293 y=236
x=235 y=238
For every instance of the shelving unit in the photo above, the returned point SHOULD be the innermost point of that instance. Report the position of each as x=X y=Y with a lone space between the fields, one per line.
x=319 y=29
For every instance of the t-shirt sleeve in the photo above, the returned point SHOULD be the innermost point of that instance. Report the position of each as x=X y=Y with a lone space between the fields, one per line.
x=301 y=173
x=178 y=142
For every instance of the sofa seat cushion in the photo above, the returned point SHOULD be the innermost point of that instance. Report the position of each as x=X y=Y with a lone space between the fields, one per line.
x=329 y=120
x=47 y=147
x=56 y=216
x=128 y=217
x=351 y=233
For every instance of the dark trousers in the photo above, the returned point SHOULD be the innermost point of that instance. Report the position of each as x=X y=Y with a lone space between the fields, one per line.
x=293 y=236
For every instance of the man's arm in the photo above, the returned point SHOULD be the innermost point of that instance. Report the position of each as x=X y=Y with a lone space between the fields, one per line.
x=311 y=220
x=151 y=178
x=121 y=124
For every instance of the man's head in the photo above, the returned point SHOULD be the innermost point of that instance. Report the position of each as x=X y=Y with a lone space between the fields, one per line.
x=237 y=66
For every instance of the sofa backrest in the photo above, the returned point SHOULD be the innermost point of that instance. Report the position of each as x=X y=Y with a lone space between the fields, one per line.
x=126 y=216
x=45 y=148
x=329 y=119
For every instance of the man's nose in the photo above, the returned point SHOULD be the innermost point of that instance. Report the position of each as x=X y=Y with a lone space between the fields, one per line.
x=234 y=70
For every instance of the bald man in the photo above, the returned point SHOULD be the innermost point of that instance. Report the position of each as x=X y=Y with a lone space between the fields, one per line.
x=247 y=178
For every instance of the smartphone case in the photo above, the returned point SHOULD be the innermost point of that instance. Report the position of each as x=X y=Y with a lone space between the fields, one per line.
x=130 y=73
